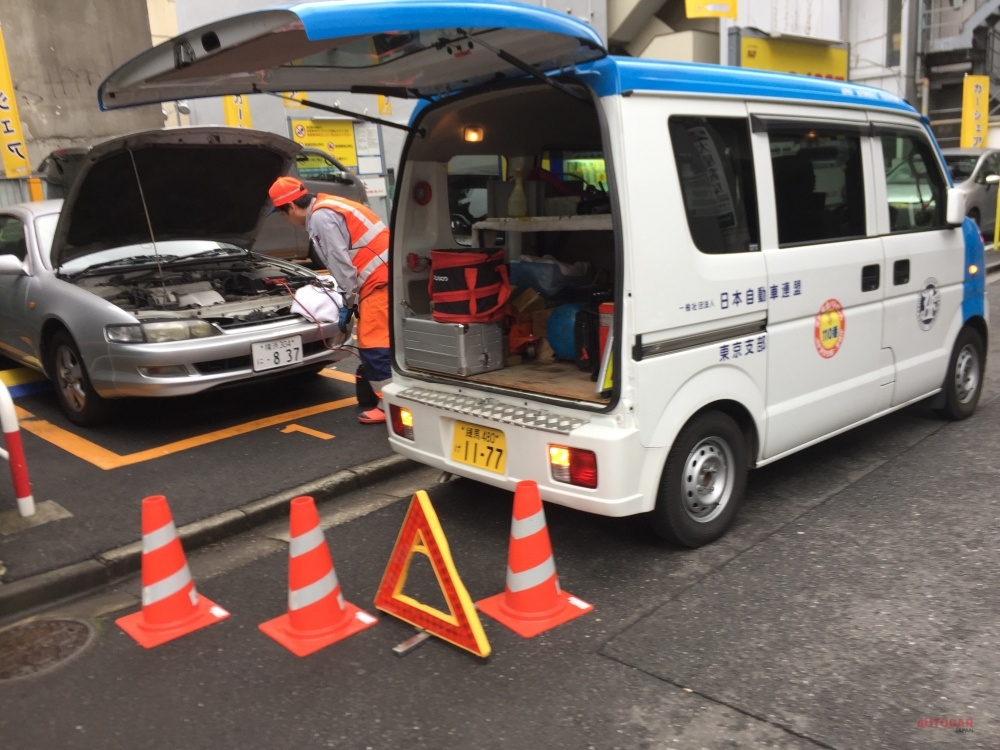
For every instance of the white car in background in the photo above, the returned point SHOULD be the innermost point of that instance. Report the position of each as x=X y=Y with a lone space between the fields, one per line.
x=969 y=169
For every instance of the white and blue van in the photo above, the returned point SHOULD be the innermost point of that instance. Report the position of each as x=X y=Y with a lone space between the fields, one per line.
x=778 y=258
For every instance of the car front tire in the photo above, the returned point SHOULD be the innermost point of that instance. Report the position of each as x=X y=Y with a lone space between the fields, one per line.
x=79 y=401
x=964 y=382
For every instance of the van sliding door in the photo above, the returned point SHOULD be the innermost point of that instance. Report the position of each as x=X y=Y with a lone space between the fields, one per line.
x=826 y=277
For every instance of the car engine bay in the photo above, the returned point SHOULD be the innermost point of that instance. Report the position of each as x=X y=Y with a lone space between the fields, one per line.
x=232 y=292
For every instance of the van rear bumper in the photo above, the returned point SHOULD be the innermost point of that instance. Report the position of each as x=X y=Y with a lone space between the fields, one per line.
x=620 y=458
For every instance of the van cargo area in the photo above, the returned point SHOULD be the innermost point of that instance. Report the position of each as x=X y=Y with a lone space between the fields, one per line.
x=543 y=143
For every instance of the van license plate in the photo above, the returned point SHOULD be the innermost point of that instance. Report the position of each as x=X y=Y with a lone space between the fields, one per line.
x=279 y=353
x=482 y=447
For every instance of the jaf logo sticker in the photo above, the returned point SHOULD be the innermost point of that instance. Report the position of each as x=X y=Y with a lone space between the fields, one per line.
x=928 y=304
x=828 y=331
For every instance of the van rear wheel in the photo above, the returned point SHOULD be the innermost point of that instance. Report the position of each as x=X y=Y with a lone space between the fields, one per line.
x=703 y=481
x=964 y=381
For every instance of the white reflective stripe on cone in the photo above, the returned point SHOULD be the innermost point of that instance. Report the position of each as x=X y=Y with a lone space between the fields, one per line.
x=531 y=577
x=525 y=527
x=163 y=536
x=169 y=586
x=314 y=592
x=299 y=545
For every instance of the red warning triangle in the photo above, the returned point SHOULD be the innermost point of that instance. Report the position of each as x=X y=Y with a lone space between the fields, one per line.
x=421 y=533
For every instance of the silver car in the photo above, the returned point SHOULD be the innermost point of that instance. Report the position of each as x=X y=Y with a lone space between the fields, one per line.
x=969 y=169
x=140 y=283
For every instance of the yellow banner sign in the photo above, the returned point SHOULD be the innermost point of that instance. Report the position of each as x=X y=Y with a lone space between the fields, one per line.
x=817 y=60
x=384 y=105
x=294 y=99
x=15 y=151
x=237 y=110
x=975 y=111
x=710 y=8
x=336 y=137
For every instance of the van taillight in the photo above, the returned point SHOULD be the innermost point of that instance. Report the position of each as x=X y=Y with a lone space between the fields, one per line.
x=573 y=466
x=402 y=421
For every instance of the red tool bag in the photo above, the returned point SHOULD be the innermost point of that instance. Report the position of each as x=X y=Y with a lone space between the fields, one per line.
x=468 y=287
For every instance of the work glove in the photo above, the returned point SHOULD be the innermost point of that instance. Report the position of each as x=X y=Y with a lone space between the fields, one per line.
x=344 y=317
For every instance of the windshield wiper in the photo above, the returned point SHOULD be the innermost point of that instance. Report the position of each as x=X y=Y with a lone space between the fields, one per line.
x=214 y=252
x=132 y=260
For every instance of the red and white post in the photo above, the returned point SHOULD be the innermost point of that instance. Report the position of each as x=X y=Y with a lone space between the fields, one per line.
x=15 y=453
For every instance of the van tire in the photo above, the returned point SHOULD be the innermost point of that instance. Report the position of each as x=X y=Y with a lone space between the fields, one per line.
x=964 y=381
x=708 y=455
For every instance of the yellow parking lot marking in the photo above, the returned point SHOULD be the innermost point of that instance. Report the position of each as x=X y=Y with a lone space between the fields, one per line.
x=20 y=376
x=305 y=430
x=102 y=458
x=346 y=377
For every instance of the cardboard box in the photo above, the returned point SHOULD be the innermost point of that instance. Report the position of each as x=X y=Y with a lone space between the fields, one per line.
x=545 y=353
x=526 y=304
x=539 y=319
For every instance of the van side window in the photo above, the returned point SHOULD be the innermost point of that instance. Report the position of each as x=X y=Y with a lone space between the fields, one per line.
x=915 y=187
x=717 y=182
x=818 y=185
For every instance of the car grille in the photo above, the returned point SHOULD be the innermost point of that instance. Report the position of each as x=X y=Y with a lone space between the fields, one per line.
x=242 y=363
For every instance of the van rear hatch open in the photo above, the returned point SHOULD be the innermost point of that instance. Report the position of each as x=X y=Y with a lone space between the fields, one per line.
x=407 y=48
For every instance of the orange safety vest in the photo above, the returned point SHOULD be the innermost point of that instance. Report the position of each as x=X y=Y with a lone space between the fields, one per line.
x=369 y=241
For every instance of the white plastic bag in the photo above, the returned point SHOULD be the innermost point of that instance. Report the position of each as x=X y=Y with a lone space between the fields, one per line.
x=321 y=304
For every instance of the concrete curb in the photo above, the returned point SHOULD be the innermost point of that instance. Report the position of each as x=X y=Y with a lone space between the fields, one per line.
x=105 y=567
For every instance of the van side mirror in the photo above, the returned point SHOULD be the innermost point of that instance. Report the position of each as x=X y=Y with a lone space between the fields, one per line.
x=956 y=207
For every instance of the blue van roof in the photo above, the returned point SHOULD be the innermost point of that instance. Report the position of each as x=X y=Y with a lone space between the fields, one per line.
x=613 y=75
x=617 y=75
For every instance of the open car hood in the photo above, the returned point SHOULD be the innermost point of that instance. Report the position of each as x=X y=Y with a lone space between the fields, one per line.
x=405 y=48
x=205 y=183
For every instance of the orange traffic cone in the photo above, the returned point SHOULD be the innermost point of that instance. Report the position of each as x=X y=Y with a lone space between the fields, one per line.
x=317 y=613
x=532 y=601
x=171 y=607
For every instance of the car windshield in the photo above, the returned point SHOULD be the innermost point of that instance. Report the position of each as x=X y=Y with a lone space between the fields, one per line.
x=171 y=251
x=961 y=166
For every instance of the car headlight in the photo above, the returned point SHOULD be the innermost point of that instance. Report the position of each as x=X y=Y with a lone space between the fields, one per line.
x=160 y=331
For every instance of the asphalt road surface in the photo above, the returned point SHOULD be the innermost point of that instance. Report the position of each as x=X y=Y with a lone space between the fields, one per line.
x=853 y=605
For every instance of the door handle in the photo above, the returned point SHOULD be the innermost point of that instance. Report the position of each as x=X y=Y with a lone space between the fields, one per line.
x=870 y=278
x=901 y=272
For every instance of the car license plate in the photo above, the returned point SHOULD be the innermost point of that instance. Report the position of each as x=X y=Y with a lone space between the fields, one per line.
x=482 y=447
x=279 y=353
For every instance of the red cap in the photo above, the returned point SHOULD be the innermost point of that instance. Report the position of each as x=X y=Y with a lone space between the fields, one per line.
x=285 y=190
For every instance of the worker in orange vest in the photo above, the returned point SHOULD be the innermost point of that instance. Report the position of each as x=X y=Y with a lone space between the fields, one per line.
x=353 y=243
